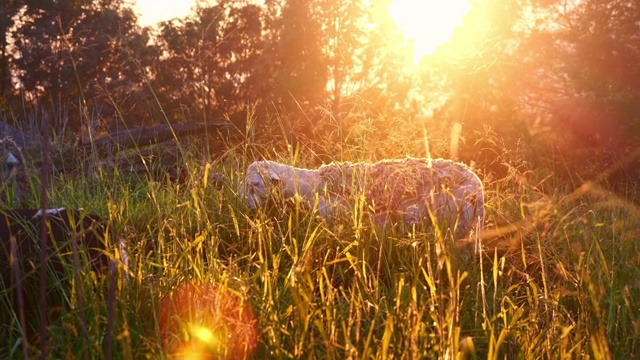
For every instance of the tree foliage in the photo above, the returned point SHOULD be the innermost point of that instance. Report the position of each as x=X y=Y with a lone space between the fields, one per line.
x=8 y=12
x=598 y=46
x=212 y=53
x=65 y=52
x=544 y=75
x=554 y=77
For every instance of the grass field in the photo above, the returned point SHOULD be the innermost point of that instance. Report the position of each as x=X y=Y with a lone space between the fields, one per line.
x=556 y=277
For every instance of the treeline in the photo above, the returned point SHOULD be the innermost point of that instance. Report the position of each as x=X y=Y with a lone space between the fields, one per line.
x=289 y=57
x=552 y=83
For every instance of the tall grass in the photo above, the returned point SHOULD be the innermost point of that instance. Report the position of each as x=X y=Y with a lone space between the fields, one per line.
x=561 y=282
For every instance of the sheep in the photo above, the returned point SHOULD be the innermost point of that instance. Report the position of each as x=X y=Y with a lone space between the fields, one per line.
x=411 y=190
x=12 y=169
x=69 y=232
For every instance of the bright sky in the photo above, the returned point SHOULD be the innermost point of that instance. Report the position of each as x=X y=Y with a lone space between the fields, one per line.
x=151 y=12
x=428 y=23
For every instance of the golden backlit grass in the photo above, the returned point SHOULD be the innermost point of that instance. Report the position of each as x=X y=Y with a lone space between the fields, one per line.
x=556 y=275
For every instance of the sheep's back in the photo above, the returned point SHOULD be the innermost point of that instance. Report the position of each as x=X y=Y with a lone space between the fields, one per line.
x=388 y=184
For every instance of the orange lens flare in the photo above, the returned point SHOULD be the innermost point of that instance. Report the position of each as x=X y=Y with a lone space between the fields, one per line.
x=206 y=322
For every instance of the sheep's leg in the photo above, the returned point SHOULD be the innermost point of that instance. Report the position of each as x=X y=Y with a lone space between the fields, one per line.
x=381 y=220
x=413 y=214
x=324 y=207
x=439 y=210
x=466 y=203
x=331 y=206
x=451 y=212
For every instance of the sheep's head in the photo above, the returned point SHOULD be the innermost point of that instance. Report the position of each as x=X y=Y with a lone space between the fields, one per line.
x=11 y=159
x=258 y=183
x=12 y=170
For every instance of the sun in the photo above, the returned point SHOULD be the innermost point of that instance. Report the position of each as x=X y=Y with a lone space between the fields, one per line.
x=428 y=23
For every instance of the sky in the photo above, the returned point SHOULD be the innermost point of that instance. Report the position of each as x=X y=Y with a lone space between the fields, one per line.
x=151 y=12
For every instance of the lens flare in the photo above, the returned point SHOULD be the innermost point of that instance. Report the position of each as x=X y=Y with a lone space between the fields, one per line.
x=206 y=322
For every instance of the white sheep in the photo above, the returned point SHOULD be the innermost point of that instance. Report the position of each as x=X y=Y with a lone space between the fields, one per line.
x=413 y=191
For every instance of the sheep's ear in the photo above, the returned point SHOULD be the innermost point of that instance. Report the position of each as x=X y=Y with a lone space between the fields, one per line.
x=273 y=175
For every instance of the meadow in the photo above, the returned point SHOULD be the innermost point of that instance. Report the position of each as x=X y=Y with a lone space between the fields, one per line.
x=554 y=276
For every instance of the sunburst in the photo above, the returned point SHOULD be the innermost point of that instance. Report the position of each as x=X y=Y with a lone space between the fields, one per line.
x=428 y=23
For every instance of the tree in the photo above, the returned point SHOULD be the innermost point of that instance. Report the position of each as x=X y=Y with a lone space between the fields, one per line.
x=209 y=65
x=477 y=73
x=67 y=52
x=598 y=43
x=365 y=55
x=333 y=60
x=8 y=11
x=543 y=77
x=298 y=63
